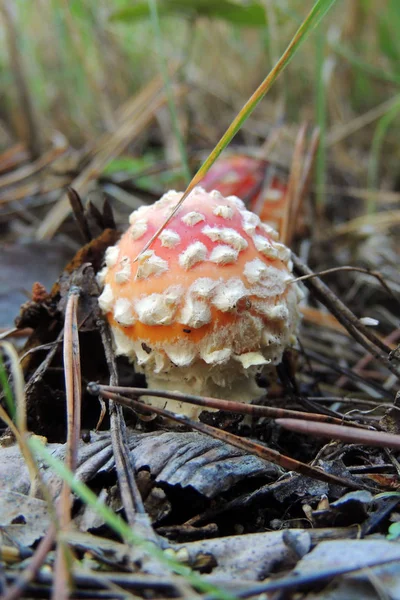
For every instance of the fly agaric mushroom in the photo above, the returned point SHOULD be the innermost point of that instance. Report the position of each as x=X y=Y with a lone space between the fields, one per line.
x=264 y=186
x=208 y=305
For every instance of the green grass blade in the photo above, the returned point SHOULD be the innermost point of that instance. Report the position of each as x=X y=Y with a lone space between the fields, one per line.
x=119 y=526
x=251 y=14
x=168 y=89
x=352 y=58
x=320 y=8
x=314 y=17
x=320 y=165
x=8 y=394
x=376 y=148
x=393 y=532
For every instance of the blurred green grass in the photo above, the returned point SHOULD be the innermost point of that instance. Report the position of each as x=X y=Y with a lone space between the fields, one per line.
x=83 y=59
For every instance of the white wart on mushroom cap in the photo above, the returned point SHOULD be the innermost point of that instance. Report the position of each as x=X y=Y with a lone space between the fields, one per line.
x=208 y=305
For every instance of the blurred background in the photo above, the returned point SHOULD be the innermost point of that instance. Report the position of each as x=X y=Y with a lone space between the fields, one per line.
x=125 y=99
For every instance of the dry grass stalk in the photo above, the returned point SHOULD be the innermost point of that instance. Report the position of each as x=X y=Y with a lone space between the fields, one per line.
x=72 y=370
x=35 y=167
x=294 y=189
x=11 y=158
x=19 y=428
x=27 y=116
x=377 y=221
x=20 y=432
x=112 y=146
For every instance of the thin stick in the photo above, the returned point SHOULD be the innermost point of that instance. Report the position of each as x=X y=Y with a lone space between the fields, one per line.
x=313 y=18
x=130 y=494
x=131 y=498
x=293 y=192
x=347 y=318
x=375 y=274
x=253 y=410
x=392 y=338
x=72 y=375
x=349 y=373
x=304 y=187
x=28 y=574
x=298 y=582
x=365 y=437
x=243 y=444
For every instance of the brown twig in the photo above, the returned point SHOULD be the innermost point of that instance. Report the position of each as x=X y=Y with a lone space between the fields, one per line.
x=12 y=157
x=72 y=374
x=14 y=332
x=101 y=581
x=72 y=371
x=299 y=582
x=308 y=169
x=349 y=399
x=346 y=317
x=130 y=494
x=248 y=446
x=29 y=573
x=334 y=366
x=253 y=410
x=366 y=437
x=44 y=365
x=132 y=501
x=375 y=274
x=293 y=192
x=392 y=338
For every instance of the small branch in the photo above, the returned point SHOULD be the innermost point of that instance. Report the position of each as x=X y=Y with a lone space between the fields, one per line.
x=242 y=408
x=72 y=373
x=375 y=274
x=332 y=364
x=293 y=199
x=130 y=495
x=298 y=582
x=346 y=317
x=243 y=444
x=73 y=391
x=392 y=338
x=365 y=437
x=29 y=573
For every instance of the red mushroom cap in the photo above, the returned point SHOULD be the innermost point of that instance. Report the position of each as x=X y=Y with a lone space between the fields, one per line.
x=209 y=301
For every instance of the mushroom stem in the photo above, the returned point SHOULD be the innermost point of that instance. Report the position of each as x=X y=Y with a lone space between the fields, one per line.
x=237 y=387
